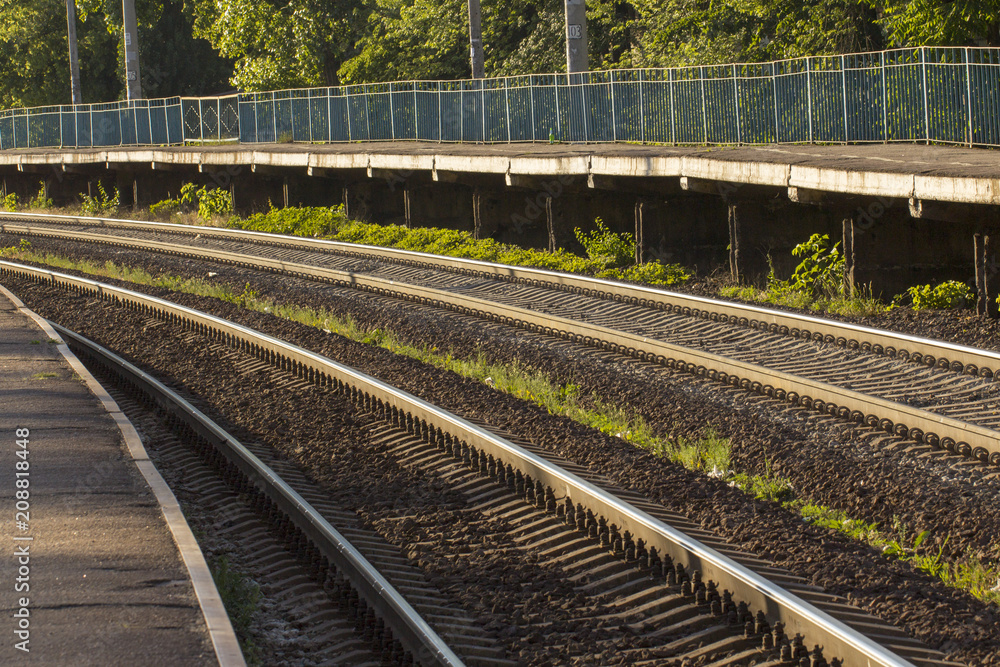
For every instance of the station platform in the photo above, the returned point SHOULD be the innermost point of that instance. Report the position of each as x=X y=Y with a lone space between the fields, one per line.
x=100 y=568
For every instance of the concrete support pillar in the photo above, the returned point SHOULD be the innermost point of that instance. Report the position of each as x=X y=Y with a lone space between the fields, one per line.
x=284 y=192
x=407 y=207
x=992 y=271
x=987 y=278
x=640 y=241
x=477 y=215
x=550 y=223
x=125 y=182
x=847 y=246
x=737 y=256
x=345 y=200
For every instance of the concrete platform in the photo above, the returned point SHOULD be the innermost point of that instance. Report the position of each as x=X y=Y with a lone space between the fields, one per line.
x=94 y=575
x=908 y=171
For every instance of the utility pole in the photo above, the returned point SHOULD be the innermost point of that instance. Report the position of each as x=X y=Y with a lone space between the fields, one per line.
x=133 y=87
x=74 y=60
x=476 y=40
x=576 y=36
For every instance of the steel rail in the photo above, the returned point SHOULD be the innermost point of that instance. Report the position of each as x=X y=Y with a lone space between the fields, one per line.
x=931 y=428
x=925 y=350
x=407 y=625
x=438 y=425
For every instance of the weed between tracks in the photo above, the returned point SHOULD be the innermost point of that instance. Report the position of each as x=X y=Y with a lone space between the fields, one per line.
x=241 y=597
x=709 y=454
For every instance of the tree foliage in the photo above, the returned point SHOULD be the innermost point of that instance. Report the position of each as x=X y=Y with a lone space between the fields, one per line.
x=198 y=47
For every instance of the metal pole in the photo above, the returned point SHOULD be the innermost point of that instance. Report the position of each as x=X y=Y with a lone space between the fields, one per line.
x=927 y=122
x=968 y=91
x=476 y=40
x=74 y=60
x=132 y=83
x=809 y=97
x=736 y=101
x=614 y=116
x=704 y=110
x=885 y=102
x=774 y=90
x=506 y=103
x=843 y=83
x=642 y=108
x=576 y=36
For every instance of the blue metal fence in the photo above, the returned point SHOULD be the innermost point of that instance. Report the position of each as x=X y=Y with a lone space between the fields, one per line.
x=946 y=95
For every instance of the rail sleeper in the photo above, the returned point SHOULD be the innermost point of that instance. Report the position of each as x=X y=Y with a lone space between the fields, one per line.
x=623 y=520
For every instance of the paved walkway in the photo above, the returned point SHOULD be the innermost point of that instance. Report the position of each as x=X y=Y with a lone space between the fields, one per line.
x=93 y=575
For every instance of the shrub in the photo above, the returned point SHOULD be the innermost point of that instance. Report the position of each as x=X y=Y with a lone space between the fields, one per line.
x=332 y=223
x=297 y=221
x=165 y=208
x=102 y=203
x=40 y=201
x=607 y=248
x=949 y=294
x=649 y=273
x=821 y=272
x=9 y=202
x=214 y=202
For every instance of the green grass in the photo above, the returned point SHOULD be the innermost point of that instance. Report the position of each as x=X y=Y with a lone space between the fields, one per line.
x=859 y=304
x=709 y=453
x=241 y=596
x=44 y=376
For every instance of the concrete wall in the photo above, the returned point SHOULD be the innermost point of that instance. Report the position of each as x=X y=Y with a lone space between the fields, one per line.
x=713 y=230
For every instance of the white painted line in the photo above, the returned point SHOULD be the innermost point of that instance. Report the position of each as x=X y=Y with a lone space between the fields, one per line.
x=227 y=647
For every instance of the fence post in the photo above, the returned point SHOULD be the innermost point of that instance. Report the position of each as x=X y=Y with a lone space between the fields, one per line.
x=555 y=88
x=416 y=118
x=482 y=106
x=885 y=102
x=809 y=96
x=642 y=108
x=704 y=104
x=531 y=101
x=614 y=113
x=927 y=121
x=347 y=103
x=968 y=90
x=368 y=116
x=440 y=116
x=392 y=114
x=201 y=121
x=310 y=98
x=736 y=100
x=506 y=104
x=274 y=116
x=774 y=91
x=673 y=122
x=843 y=83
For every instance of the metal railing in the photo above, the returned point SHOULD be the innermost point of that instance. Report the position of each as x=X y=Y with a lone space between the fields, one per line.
x=932 y=94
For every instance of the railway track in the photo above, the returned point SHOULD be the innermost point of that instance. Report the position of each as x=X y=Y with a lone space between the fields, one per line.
x=668 y=590
x=935 y=393
x=370 y=622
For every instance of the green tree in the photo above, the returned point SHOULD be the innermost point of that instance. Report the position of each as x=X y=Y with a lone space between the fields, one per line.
x=35 y=56
x=281 y=43
x=940 y=22
x=172 y=61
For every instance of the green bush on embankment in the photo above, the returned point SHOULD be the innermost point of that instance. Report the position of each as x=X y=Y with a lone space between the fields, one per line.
x=331 y=223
